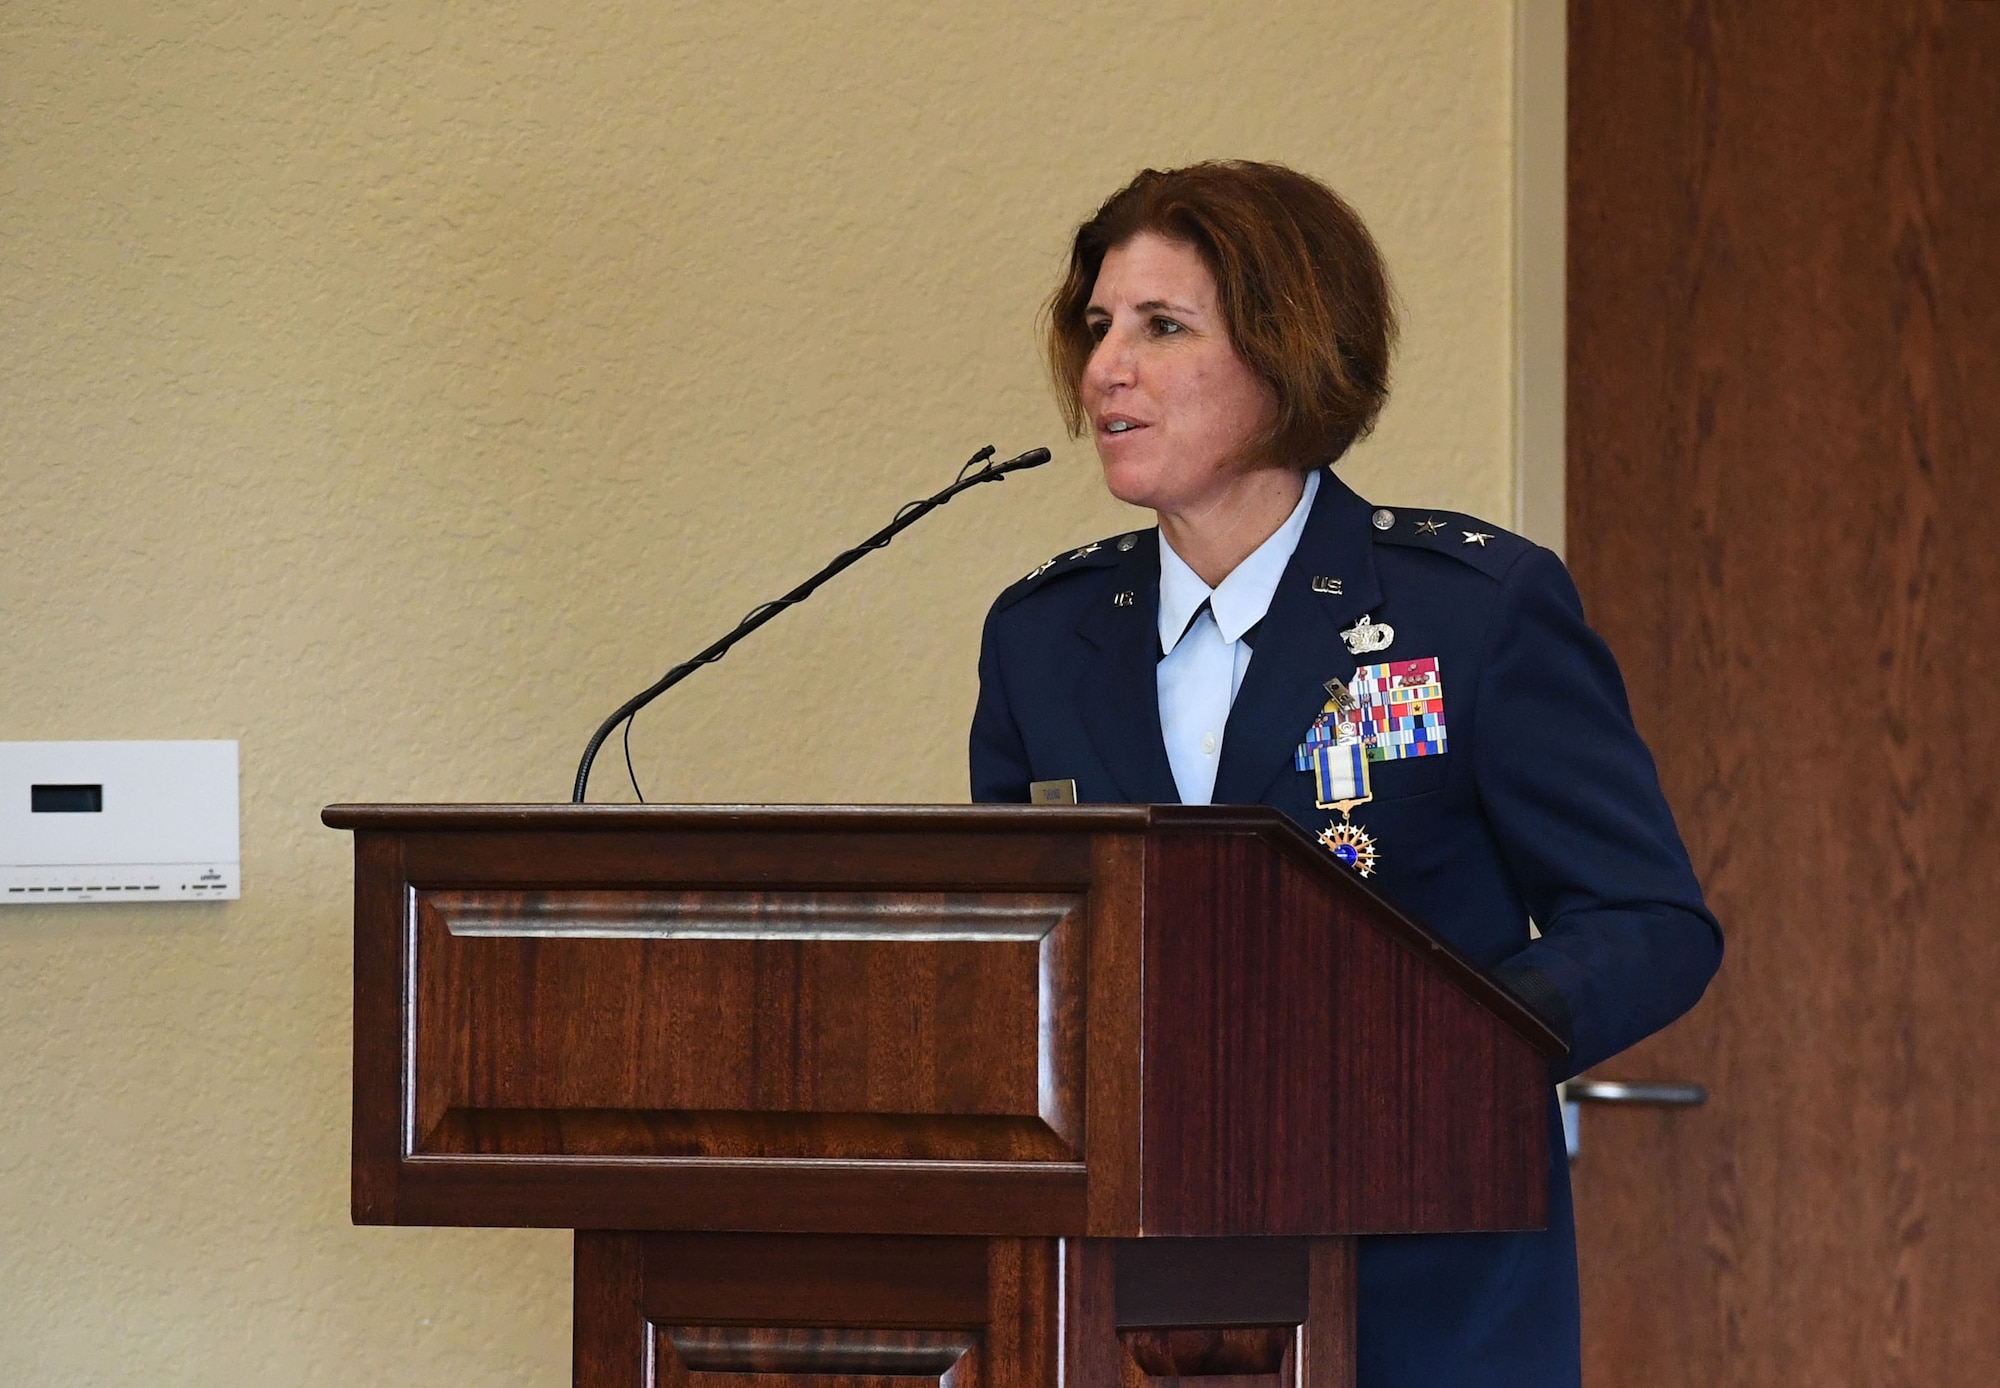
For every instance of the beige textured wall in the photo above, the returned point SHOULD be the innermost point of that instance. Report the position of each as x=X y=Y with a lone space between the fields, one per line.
x=396 y=387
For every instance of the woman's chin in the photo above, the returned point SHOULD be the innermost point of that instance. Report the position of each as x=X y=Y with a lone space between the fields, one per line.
x=1132 y=481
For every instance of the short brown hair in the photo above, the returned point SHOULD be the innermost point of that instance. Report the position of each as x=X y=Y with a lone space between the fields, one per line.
x=1301 y=286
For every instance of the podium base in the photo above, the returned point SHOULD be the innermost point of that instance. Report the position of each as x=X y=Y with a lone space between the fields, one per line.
x=838 y=1311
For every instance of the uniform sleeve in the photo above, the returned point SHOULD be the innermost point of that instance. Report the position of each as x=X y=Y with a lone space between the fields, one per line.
x=1627 y=943
x=999 y=758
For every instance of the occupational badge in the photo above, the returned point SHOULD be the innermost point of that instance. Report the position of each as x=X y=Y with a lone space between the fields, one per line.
x=1366 y=637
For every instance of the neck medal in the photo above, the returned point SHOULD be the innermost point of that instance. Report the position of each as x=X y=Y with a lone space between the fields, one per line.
x=1336 y=754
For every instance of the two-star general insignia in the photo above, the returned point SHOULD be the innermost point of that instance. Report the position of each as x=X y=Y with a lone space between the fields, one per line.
x=1477 y=537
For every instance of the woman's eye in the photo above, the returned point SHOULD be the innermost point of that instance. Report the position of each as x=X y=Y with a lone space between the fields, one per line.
x=1165 y=327
x=1097 y=328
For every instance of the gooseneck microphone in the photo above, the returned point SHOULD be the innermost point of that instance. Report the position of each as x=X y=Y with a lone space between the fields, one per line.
x=902 y=521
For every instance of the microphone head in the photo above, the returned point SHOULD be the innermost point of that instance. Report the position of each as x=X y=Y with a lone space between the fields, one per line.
x=1034 y=457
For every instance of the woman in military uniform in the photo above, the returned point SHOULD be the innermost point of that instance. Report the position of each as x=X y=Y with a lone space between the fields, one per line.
x=1224 y=334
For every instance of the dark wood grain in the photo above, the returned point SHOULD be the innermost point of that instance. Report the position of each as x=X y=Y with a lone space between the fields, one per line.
x=1116 y=1019
x=379 y=975
x=918 y=847
x=733 y=1311
x=785 y=1279
x=1309 y=1072
x=955 y=1049
x=730 y=1135
x=704 y=1310
x=612 y=1342
x=876 y=1070
x=1091 y=1350
x=1275 y=1313
x=866 y=1035
x=711 y=1356
x=1025 y=1312
x=1236 y=1352
x=1784 y=514
x=1327 y=1341
x=1209 y=1282
x=806 y=1196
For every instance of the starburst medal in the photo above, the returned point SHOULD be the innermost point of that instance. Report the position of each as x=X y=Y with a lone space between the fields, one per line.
x=1350 y=843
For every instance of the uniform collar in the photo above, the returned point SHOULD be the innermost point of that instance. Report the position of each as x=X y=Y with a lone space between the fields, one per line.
x=1328 y=581
x=1240 y=601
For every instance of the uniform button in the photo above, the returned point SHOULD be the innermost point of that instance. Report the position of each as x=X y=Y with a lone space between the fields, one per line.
x=1384 y=518
x=1125 y=543
x=1208 y=744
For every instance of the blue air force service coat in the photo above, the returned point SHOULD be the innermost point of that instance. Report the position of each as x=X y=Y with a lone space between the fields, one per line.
x=1544 y=805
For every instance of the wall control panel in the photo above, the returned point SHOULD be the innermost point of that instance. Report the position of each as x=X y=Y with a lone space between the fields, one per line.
x=118 y=821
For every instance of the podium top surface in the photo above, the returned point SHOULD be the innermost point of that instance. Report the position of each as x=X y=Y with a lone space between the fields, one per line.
x=888 y=818
x=1259 y=821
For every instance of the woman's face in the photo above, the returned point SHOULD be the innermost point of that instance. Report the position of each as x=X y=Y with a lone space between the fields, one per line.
x=1172 y=408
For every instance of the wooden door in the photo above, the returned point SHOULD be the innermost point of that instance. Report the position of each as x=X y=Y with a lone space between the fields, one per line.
x=1784 y=513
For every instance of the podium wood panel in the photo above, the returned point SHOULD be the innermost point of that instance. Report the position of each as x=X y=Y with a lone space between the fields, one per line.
x=778 y=1311
x=833 y=1025
x=1107 y=1021
x=981 y=1096
x=1272 y=1107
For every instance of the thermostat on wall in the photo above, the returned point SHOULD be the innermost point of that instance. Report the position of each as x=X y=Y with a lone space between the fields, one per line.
x=118 y=821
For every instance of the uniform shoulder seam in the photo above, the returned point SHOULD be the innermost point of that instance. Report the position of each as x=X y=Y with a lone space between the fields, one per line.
x=1476 y=543
x=1098 y=554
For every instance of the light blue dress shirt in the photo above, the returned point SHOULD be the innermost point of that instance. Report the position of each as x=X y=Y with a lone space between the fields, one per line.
x=1201 y=631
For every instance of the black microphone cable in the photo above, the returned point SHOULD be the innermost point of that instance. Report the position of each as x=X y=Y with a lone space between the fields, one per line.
x=904 y=518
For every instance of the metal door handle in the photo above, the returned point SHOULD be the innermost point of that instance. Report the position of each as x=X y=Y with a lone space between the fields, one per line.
x=1635 y=1092
x=1577 y=1093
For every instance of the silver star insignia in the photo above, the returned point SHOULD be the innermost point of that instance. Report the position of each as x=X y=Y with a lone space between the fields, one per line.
x=1090 y=548
x=1477 y=537
x=1041 y=568
x=1429 y=527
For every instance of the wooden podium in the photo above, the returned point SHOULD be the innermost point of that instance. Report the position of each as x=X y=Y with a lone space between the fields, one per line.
x=990 y=1096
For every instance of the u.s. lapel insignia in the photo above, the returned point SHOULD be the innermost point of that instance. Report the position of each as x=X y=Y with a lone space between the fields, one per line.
x=1366 y=637
x=1329 y=586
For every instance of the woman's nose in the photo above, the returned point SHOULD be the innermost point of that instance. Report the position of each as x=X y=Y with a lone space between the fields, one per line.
x=1110 y=363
